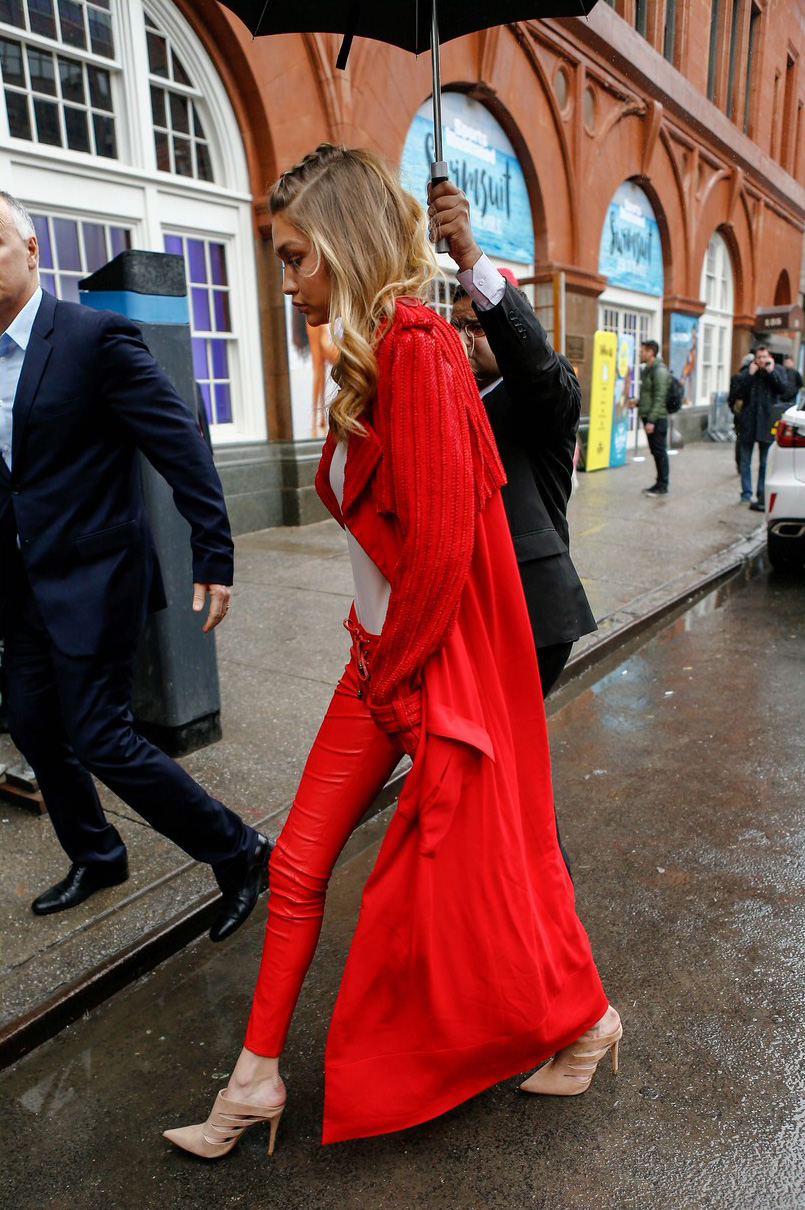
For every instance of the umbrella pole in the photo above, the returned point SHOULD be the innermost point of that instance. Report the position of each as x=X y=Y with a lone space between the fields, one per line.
x=438 y=169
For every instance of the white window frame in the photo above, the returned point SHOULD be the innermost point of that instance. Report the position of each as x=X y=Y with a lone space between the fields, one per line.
x=717 y=291
x=131 y=191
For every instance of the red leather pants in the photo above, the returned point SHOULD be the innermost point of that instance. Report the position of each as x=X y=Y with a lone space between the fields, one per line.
x=347 y=768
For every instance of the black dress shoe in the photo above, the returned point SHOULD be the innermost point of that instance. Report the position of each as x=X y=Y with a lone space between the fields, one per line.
x=238 y=900
x=757 y=506
x=656 y=490
x=81 y=882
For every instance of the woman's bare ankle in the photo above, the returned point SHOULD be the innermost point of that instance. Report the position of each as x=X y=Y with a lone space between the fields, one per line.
x=608 y=1023
x=256 y=1080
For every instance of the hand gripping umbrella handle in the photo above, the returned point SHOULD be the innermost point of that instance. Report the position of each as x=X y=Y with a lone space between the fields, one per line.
x=439 y=173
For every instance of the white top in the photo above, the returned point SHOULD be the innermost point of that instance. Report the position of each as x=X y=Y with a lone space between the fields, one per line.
x=372 y=589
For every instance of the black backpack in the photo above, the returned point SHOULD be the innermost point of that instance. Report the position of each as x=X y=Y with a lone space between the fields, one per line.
x=674 y=396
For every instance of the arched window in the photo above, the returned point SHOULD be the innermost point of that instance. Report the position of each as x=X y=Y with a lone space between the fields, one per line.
x=116 y=131
x=716 y=288
x=179 y=140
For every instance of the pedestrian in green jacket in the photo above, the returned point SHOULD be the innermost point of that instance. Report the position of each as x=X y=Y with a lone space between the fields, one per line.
x=654 y=382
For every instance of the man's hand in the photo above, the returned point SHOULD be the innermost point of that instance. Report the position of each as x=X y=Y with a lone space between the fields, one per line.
x=449 y=214
x=753 y=367
x=649 y=426
x=219 y=602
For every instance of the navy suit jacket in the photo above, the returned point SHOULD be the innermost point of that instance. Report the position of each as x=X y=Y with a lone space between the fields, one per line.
x=90 y=396
x=534 y=413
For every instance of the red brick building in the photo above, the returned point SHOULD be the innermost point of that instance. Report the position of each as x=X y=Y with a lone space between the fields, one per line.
x=657 y=147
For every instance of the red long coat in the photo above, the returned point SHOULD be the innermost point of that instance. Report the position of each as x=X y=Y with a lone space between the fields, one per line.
x=469 y=963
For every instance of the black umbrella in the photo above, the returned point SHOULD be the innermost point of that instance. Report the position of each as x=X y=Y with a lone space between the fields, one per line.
x=413 y=25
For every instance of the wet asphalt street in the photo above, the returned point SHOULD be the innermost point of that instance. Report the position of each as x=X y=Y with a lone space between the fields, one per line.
x=679 y=776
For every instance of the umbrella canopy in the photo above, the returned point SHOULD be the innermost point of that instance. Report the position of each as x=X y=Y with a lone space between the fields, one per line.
x=403 y=23
x=413 y=25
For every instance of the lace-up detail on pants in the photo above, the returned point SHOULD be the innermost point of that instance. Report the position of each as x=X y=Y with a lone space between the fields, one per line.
x=360 y=652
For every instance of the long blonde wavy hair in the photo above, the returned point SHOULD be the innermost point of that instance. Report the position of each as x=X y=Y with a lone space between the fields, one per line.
x=372 y=236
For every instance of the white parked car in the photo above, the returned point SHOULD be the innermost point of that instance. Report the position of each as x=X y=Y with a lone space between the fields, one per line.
x=785 y=493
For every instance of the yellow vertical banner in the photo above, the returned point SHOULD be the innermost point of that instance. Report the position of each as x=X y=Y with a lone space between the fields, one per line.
x=602 y=394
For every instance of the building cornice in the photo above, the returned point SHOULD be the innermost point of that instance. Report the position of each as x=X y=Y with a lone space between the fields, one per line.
x=634 y=66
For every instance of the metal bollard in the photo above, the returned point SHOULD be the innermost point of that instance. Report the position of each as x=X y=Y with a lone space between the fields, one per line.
x=176 y=698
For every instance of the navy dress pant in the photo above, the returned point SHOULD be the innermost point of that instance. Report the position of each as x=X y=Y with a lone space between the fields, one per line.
x=71 y=718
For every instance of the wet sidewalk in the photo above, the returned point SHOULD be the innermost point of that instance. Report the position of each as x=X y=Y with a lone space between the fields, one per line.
x=682 y=815
x=280 y=652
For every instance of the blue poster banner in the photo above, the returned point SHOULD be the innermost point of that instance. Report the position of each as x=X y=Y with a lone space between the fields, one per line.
x=483 y=164
x=624 y=378
x=631 y=253
x=682 y=353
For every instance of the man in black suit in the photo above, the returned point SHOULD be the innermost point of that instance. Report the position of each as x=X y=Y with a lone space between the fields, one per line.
x=533 y=401
x=80 y=394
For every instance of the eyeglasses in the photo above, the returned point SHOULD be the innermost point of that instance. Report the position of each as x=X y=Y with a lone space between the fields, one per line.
x=470 y=327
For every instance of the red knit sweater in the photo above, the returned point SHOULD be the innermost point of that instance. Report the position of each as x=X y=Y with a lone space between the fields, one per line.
x=439 y=466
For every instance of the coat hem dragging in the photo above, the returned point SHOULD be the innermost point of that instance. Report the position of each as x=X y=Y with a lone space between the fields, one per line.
x=446 y=1079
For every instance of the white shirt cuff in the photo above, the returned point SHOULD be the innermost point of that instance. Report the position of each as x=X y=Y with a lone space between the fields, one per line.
x=483 y=283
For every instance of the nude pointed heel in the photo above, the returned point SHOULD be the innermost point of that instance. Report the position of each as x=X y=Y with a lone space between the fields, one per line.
x=217 y=1136
x=570 y=1072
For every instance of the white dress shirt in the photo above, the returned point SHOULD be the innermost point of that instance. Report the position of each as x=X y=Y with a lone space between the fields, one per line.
x=13 y=346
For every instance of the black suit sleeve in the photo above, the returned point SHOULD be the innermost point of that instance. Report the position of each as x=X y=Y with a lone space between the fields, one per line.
x=160 y=424
x=544 y=390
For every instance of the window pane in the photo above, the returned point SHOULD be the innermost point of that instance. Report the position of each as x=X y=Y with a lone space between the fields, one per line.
x=163 y=154
x=158 y=106
x=195 y=257
x=68 y=288
x=220 y=302
x=120 y=239
x=65 y=233
x=218 y=265
x=100 y=32
x=71 y=74
x=198 y=129
x=11 y=13
x=77 y=129
x=201 y=310
x=204 y=163
x=157 y=55
x=223 y=403
x=173 y=244
x=100 y=89
x=11 y=59
x=47 y=123
x=72 y=24
x=94 y=246
x=179 y=73
x=200 y=368
x=180 y=113
x=43 y=239
x=19 y=120
x=220 y=359
x=43 y=73
x=104 y=136
x=48 y=282
x=205 y=395
x=182 y=158
x=41 y=16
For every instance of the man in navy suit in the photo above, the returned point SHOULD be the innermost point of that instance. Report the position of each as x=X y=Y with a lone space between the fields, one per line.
x=80 y=394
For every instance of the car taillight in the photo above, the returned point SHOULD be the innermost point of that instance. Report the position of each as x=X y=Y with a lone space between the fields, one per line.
x=790 y=437
x=772 y=498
